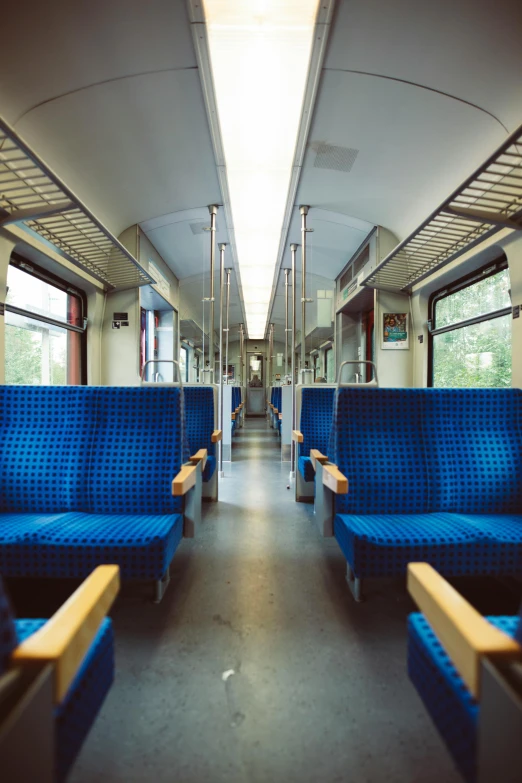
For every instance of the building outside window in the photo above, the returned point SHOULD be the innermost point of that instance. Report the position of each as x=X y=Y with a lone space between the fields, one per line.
x=470 y=338
x=44 y=329
x=329 y=364
x=183 y=363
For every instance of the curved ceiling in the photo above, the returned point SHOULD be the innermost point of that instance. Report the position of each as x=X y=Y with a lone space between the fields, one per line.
x=109 y=95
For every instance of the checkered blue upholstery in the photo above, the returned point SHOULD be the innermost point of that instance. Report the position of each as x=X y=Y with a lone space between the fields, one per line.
x=379 y=545
x=199 y=423
x=8 y=638
x=73 y=544
x=446 y=697
x=75 y=715
x=305 y=468
x=102 y=459
x=315 y=424
x=380 y=447
x=55 y=423
x=474 y=452
x=434 y=474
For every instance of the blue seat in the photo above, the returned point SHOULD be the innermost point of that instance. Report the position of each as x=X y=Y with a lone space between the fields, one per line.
x=85 y=477
x=199 y=424
x=452 y=708
x=434 y=474
x=315 y=424
x=455 y=702
x=76 y=712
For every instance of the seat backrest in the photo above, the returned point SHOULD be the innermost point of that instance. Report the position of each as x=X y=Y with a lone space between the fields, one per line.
x=377 y=441
x=46 y=435
x=199 y=417
x=474 y=450
x=8 y=639
x=137 y=450
x=316 y=418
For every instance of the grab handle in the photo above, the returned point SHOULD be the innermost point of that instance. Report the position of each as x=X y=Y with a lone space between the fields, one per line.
x=373 y=382
x=164 y=361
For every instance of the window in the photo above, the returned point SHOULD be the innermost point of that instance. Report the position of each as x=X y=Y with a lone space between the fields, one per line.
x=44 y=328
x=183 y=364
x=470 y=338
x=329 y=364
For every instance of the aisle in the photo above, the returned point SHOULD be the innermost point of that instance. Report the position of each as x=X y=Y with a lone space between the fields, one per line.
x=258 y=666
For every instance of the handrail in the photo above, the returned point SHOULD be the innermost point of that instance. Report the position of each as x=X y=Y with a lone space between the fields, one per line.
x=373 y=382
x=165 y=361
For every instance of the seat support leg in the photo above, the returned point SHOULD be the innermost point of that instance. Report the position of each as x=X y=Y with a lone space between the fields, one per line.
x=354 y=583
x=160 y=586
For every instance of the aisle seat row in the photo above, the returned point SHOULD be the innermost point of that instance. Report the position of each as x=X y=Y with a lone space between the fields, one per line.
x=433 y=474
x=95 y=475
x=275 y=408
x=237 y=408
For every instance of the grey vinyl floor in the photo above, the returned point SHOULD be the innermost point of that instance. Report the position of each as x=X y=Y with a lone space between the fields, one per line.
x=258 y=666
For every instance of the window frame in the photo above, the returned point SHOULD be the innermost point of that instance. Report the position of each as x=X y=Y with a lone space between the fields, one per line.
x=185 y=347
x=29 y=268
x=488 y=270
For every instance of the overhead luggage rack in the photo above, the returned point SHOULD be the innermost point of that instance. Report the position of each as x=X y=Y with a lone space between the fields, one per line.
x=32 y=196
x=491 y=199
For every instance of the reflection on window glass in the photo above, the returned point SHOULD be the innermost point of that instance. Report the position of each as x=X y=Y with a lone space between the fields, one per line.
x=330 y=370
x=474 y=355
x=477 y=299
x=40 y=353
x=183 y=364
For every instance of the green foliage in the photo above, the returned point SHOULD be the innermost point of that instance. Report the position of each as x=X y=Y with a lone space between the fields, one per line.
x=23 y=357
x=479 y=354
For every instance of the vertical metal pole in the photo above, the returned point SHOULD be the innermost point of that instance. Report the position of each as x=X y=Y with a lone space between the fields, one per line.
x=304 y=212
x=211 y=361
x=241 y=354
x=286 y=321
x=293 y=250
x=227 y=326
x=222 y=247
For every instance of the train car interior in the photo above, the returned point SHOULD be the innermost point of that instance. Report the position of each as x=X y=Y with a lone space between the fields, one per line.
x=261 y=391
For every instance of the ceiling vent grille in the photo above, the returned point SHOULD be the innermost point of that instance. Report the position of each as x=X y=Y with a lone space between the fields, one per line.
x=197 y=228
x=329 y=156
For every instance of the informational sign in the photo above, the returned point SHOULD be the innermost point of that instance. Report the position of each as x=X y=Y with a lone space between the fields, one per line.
x=119 y=320
x=395 y=331
x=162 y=285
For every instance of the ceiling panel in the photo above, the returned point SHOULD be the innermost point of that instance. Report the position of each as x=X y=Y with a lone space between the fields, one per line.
x=468 y=49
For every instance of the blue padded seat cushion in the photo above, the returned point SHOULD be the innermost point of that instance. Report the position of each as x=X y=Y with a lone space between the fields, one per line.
x=306 y=469
x=77 y=712
x=47 y=434
x=73 y=544
x=199 y=419
x=316 y=419
x=378 y=443
x=210 y=467
x=474 y=453
x=504 y=532
x=136 y=452
x=382 y=545
x=447 y=699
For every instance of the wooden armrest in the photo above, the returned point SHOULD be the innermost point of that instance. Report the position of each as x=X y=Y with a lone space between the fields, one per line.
x=233 y=416
x=216 y=436
x=280 y=415
x=200 y=456
x=316 y=456
x=185 y=480
x=297 y=436
x=334 y=479
x=65 y=639
x=463 y=632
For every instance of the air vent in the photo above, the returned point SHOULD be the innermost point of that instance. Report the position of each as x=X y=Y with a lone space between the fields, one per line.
x=200 y=226
x=335 y=158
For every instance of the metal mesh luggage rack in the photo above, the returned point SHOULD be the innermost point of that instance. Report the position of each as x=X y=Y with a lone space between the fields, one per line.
x=491 y=199
x=32 y=196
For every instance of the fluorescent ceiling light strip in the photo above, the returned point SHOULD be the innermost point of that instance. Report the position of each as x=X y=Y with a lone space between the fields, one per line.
x=260 y=53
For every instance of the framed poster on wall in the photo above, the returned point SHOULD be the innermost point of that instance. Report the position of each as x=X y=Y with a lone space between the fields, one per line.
x=395 y=331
